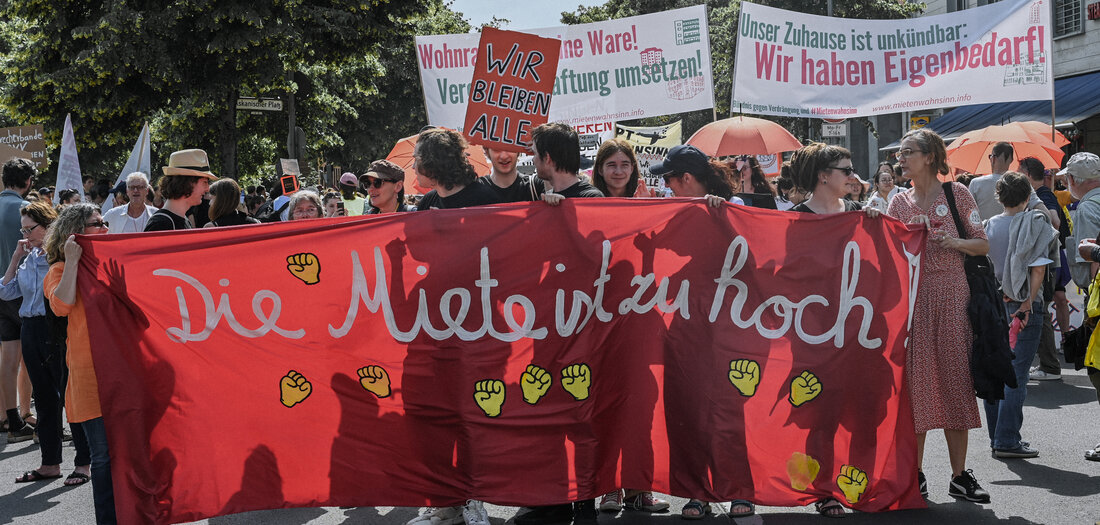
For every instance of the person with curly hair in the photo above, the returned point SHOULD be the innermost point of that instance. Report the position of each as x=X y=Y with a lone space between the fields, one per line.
x=82 y=390
x=186 y=179
x=440 y=158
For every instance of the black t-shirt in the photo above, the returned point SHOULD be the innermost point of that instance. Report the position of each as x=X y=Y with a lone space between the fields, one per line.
x=164 y=220
x=428 y=201
x=848 y=206
x=472 y=195
x=519 y=191
x=236 y=218
x=580 y=189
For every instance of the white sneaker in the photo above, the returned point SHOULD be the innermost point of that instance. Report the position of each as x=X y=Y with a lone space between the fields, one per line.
x=438 y=516
x=1040 y=375
x=474 y=513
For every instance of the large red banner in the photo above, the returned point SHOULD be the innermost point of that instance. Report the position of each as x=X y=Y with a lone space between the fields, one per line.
x=520 y=354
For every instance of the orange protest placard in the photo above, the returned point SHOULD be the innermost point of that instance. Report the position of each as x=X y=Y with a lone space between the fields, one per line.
x=511 y=88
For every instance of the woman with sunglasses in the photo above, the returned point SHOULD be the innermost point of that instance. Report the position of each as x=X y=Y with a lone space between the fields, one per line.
x=937 y=362
x=825 y=171
x=81 y=391
x=43 y=352
x=385 y=183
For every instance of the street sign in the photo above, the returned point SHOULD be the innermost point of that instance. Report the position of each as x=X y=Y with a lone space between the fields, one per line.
x=834 y=130
x=259 y=104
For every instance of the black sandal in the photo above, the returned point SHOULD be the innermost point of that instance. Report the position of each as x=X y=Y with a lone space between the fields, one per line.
x=32 y=476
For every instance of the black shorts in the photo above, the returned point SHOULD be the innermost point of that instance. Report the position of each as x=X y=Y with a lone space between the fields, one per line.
x=10 y=323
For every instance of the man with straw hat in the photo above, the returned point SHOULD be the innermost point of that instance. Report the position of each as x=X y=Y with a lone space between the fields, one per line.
x=186 y=178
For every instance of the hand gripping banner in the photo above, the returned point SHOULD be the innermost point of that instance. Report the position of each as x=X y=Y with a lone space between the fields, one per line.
x=519 y=354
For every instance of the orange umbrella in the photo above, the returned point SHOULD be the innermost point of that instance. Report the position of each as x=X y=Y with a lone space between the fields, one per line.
x=743 y=136
x=402 y=155
x=970 y=151
x=1043 y=129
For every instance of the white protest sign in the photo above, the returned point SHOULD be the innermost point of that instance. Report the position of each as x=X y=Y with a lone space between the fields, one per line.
x=641 y=66
x=794 y=64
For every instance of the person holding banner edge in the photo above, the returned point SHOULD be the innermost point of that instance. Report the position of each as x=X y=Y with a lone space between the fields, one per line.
x=82 y=391
x=937 y=363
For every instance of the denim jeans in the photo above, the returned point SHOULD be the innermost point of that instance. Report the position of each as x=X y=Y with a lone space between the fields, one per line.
x=103 y=493
x=1006 y=416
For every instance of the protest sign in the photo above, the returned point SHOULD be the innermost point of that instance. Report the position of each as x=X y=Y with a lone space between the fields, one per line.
x=29 y=140
x=511 y=90
x=794 y=64
x=627 y=68
x=711 y=348
x=68 y=165
x=651 y=144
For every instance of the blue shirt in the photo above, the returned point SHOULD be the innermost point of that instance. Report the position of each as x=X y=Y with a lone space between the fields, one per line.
x=27 y=284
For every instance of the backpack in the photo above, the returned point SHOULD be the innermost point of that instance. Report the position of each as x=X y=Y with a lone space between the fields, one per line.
x=268 y=213
x=990 y=353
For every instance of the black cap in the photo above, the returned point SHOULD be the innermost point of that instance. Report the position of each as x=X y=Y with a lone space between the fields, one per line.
x=681 y=159
x=119 y=188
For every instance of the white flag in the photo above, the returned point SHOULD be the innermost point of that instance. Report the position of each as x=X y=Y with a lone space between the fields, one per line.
x=138 y=161
x=68 y=166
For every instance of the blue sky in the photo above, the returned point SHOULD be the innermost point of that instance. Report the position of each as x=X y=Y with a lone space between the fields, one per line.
x=523 y=14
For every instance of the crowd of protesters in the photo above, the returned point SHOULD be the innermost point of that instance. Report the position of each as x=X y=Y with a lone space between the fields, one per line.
x=1019 y=219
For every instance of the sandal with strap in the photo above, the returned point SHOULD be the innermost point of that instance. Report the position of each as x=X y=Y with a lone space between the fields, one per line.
x=830 y=508
x=76 y=479
x=32 y=476
x=699 y=510
x=742 y=503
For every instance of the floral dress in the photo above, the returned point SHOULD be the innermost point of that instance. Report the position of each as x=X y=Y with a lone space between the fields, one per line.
x=937 y=362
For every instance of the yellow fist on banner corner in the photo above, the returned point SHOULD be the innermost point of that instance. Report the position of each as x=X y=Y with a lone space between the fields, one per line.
x=375 y=380
x=576 y=379
x=852 y=482
x=802 y=470
x=535 y=383
x=745 y=375
x=489 y=395
x=294 y=388
x=804 y=388
x=305 y=267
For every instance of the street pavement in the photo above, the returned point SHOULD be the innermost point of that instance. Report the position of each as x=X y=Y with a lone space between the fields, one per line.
x=1062 y=420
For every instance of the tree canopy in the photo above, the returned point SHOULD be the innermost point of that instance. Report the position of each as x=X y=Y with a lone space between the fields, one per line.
x=182 y=65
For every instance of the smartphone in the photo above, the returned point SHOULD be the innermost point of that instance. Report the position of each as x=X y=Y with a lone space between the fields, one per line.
x=340 y=210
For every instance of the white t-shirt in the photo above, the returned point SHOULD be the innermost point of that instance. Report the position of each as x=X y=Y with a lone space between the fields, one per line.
x=984 y=190
x=119 y=221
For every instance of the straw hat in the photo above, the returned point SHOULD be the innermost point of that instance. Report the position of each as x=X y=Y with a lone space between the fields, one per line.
x=190 y=162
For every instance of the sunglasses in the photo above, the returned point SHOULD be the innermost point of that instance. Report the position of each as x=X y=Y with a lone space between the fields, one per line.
x=374 y=183
x=671 y=176
x=96 y=224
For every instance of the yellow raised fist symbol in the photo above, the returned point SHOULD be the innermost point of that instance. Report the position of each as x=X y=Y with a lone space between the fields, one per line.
x=852 y=482
x=745 y=375
x=294 y=389
x=804 y=388
x=802 y=470
x=375 y=380
x=535 y=383
x=489 y=394
x=576 y=379
x=304 y=266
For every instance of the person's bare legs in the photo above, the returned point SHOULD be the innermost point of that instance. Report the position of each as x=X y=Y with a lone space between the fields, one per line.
x=24 y=387
x=921 y=436
x=956 y=450
x=1061 y=311
x=10 y=354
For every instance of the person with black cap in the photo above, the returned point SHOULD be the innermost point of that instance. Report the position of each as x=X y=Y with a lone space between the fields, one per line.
x=354 y=203
x=132 y=216
x=186 y=179
x=385 y=184
x=688 y=172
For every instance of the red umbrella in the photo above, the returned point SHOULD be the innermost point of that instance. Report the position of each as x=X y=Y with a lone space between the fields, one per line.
x=970 y=151
x=743 y=136
x=402 y=155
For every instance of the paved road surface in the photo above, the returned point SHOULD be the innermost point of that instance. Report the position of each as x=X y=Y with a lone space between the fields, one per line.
x=1059 y=487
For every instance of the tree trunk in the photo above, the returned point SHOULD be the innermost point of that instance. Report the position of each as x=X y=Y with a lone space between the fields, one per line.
x=227 y=136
